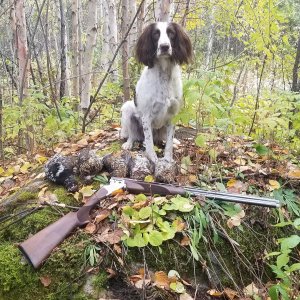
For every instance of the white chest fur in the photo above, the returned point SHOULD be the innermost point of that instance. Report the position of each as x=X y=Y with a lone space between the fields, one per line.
x=159 y=93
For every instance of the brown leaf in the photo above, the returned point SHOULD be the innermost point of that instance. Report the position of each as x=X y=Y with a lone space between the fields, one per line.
x=103 y=214
x=185 y=241
x=230 y=294
x=215 y=293
x=161 y=279
x=111 y=273
x=113 y=237
x=117 y=248
x=134 y=278
x=45 y=280
x=141 y=283
x=234 y=221
x=236 y=186
x=90 y=228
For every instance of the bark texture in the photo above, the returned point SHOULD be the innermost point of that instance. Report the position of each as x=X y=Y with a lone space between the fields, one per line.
x=88 y=51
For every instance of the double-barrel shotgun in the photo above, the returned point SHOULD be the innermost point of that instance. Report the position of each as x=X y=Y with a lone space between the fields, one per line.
x=39 y=246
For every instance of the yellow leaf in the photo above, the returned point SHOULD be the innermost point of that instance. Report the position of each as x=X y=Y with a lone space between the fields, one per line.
x=149 y=178
x=87 y=191
x=231 y=182
x=273 y=185
x=294 y=174
x=1 y=170
x=25 y=167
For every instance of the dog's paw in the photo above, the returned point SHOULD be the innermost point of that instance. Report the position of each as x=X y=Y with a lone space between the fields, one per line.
x=127 y=146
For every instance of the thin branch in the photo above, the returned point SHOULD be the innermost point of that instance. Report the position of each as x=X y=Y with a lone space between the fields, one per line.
x=93 y=98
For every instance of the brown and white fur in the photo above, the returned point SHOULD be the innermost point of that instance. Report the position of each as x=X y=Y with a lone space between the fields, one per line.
x=162 y=47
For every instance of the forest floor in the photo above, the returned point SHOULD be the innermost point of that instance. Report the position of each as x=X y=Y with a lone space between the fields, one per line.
x=227 y=163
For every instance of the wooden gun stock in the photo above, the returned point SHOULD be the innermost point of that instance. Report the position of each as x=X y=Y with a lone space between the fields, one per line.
x=38 y=247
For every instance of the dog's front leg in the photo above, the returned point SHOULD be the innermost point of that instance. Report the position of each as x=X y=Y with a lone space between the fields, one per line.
x=169 y=142
x=147 y=127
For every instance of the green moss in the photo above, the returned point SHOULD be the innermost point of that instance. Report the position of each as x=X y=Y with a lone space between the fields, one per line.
x=100 y=281
x=29 y=225
x=111 y=148
x=64 y=268
x=25 y=196
x=64 y=196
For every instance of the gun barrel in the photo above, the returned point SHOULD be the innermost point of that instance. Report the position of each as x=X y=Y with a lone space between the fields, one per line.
x=164 y=189
x=235 y=198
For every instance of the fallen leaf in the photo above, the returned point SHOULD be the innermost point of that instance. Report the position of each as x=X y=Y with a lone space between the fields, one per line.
x=25 y=167
x=103 y=214
x=234 y=221
x=237 y=187
x=273 y=185
x=294 y=174
x=185 y=296
x=240 y=161
x=87 y=191
x=142 y=283
x=185 y=241
x=230 y=294
x=111 y=273
x=250 y=290
x=113 y=237
x=117 y=248
x=215 y=293
x=161 y=279
x=90 y=228
x=45 y=280
x=83 y=142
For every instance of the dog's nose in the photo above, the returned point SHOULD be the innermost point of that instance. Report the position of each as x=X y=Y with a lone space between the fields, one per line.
x=164 y=47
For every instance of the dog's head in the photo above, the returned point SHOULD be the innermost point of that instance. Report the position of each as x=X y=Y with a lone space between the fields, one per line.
x=163 y=39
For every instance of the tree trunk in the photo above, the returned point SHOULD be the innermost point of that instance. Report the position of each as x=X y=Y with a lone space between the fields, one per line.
x=186 y=12
x=22 y=49
x=295 y=83
x=163 y=10
x=141 y=19
x=63 y=55
x=132 y=38
x=125 y=51
x=75 y=50
x=110 y=35
x=88 y=51
x=1 y=128
x=211 y=37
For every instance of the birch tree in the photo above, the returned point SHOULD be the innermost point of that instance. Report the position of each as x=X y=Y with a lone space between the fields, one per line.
x=163 y=10
x=88 y=51
x=19 y=24
x=141 y=18
x=75 y=49
x=125 y=51
x=132 y=38
x=63 y=54
x=110 y=34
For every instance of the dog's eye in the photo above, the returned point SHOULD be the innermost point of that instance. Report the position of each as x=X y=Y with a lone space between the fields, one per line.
x=171 y=33
x=156 y=34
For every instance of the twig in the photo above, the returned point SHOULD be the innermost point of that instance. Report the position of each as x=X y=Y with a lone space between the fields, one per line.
x=93 y=98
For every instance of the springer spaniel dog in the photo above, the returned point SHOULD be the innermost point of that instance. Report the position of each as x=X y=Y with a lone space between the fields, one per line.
x=162 y=47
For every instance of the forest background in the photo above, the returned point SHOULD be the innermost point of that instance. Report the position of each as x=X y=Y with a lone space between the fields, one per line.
x=67 y=66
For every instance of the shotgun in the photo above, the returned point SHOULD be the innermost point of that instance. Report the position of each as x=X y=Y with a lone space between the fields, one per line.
x=39 y=246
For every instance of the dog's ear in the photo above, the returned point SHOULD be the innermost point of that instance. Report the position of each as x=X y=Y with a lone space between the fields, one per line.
x=182 y=45
x=145 y=47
